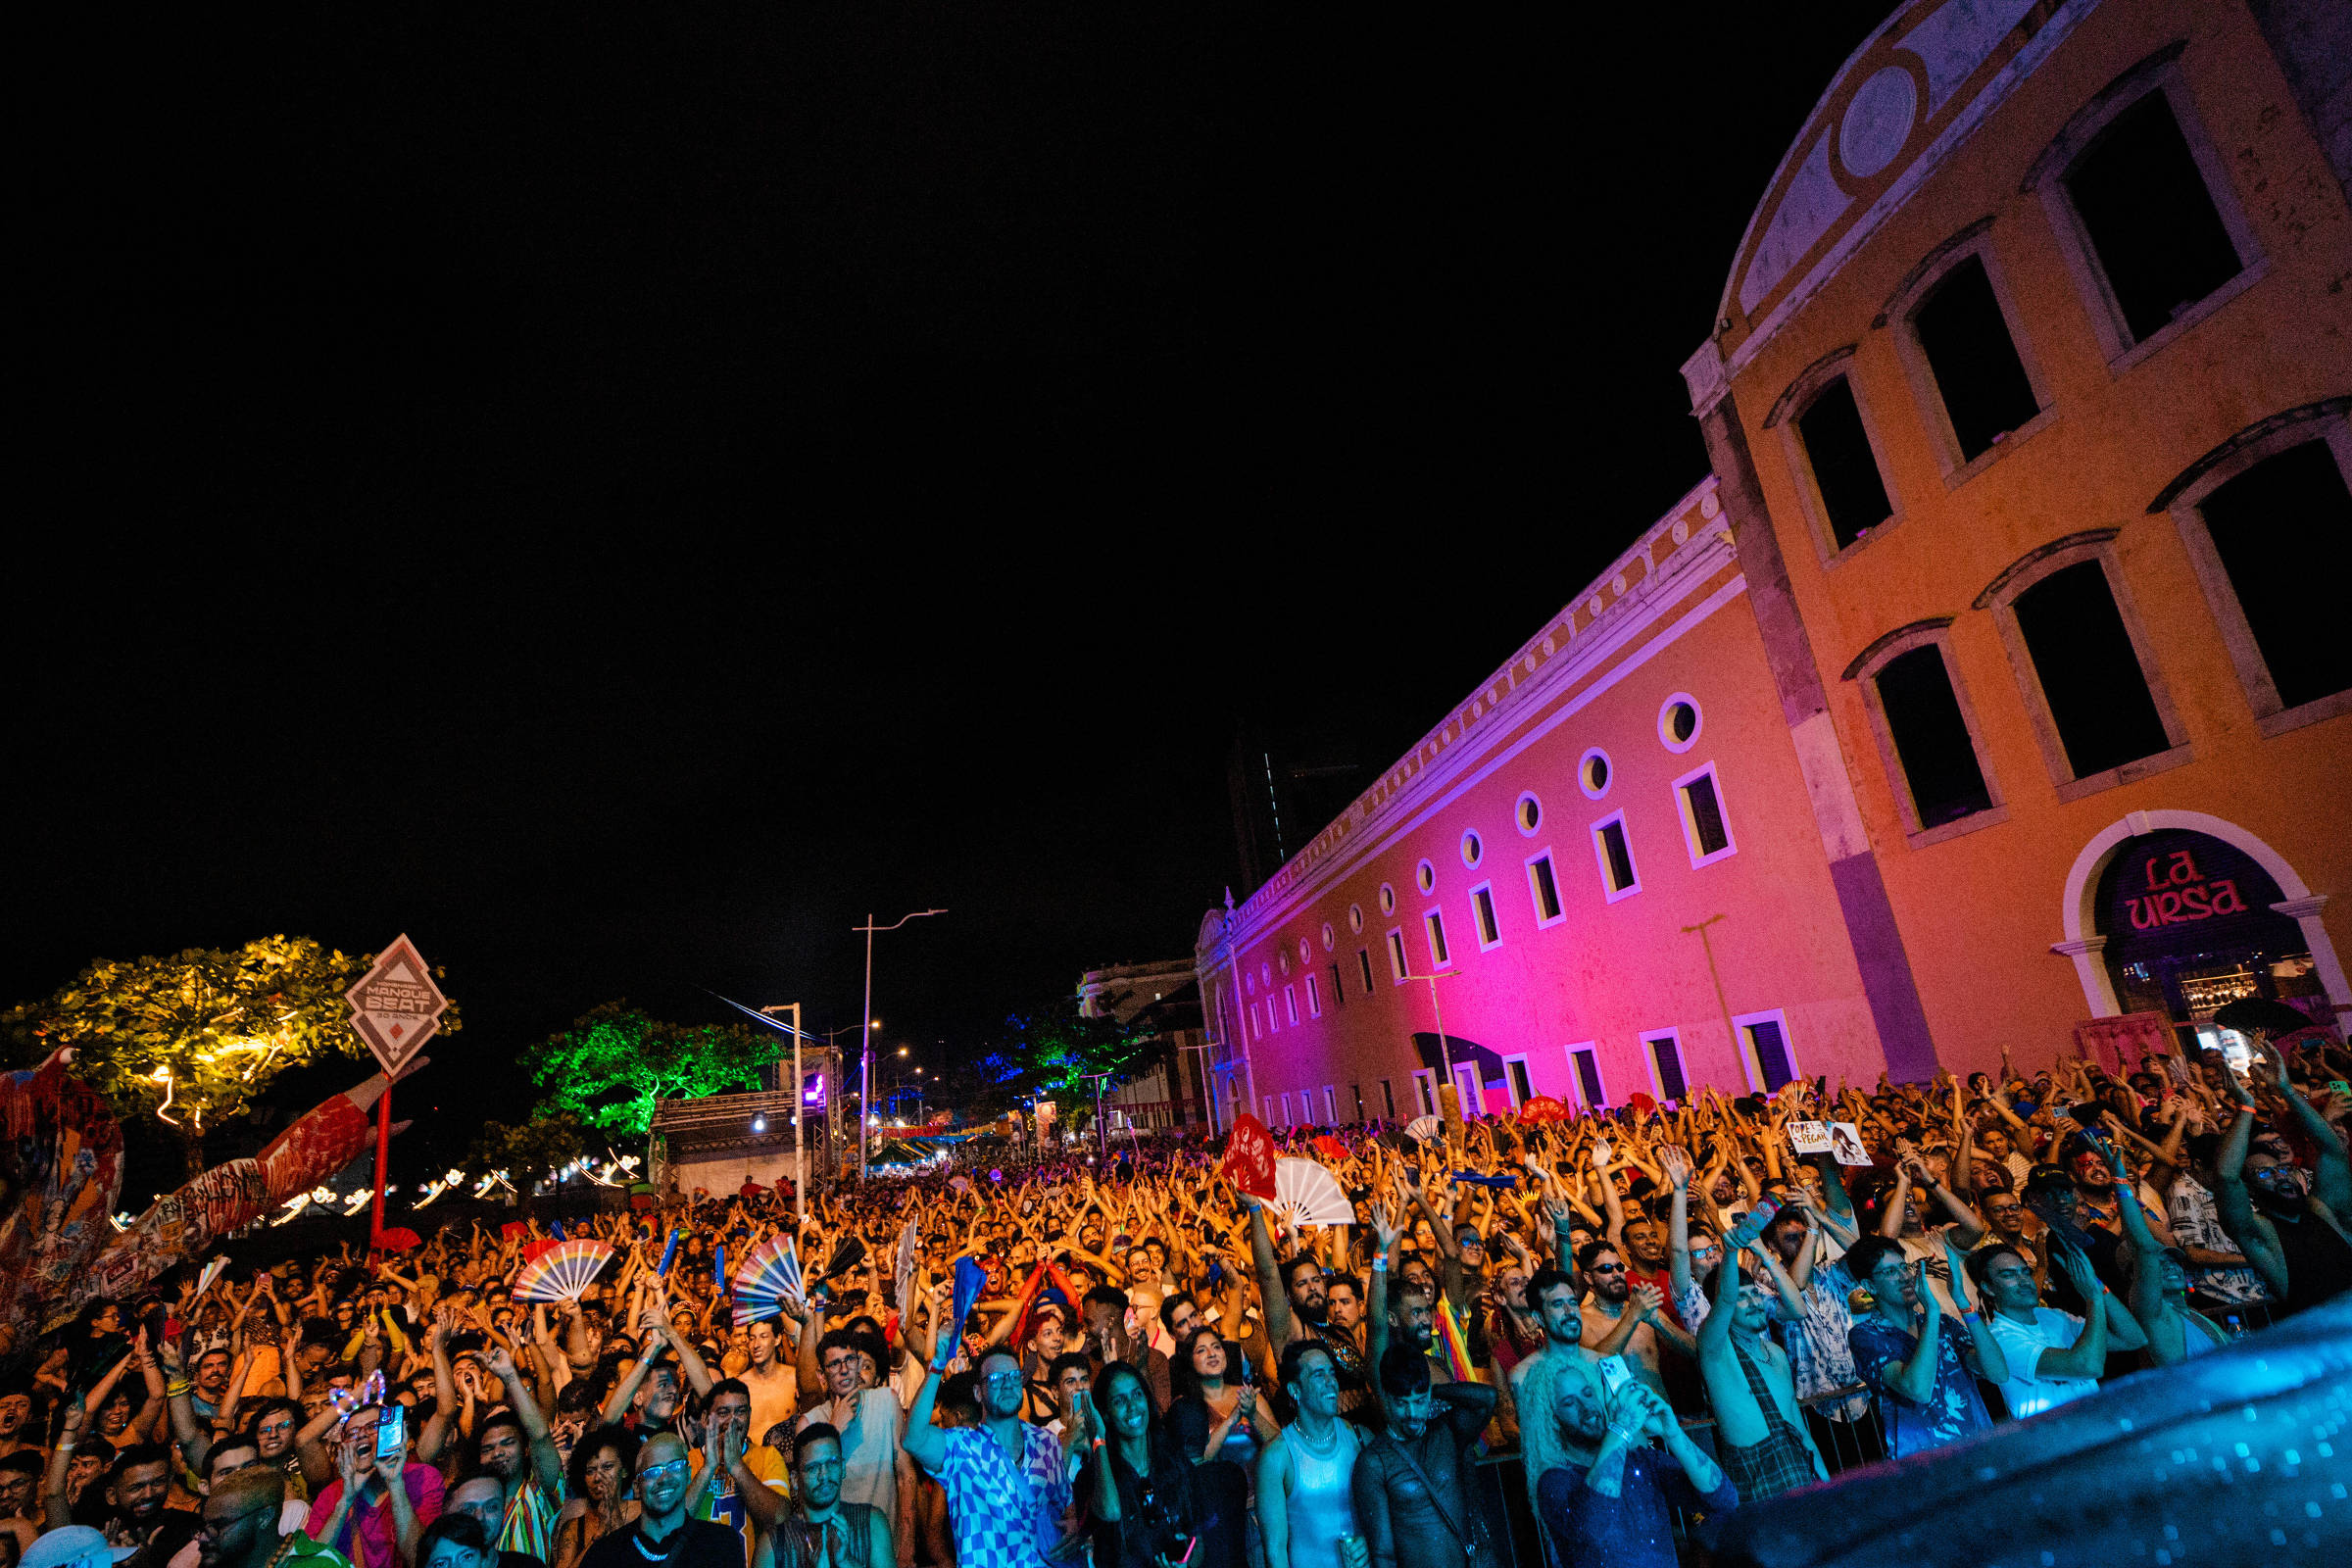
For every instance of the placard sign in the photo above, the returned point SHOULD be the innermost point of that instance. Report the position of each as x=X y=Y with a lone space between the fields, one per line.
x=396 y=1007
x=1845 y=1142
x=1810 y=1137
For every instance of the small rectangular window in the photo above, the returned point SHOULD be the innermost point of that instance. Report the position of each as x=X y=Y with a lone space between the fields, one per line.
x=1256 y=1030
x=1314 y=997
x=1398 y=970
x=1702 y=817
x=2091 y=676
x=1285 y=1110
x=1339 y=993
x=1482 y=904
x=1666 y=1056
x=1437 y=938
x=1515 y=1071
x=1845 y=471
x=1931 y=737
x=1425 y=1095
x=1544 y=888
x=1331 y=1104
x=1290 y=1001
x=2151 y=219
x=2279 y=528
x=1388 y=1098
x=1363 y=965
x=1771 y=1050
x=1357 y=1090
x=1616 y=857
x=1588 y=1076
x=1966 y=341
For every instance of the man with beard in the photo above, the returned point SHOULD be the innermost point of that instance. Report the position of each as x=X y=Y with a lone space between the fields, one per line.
x=19 y=1487
x=137 y=1486
x=868 y=1430
x=823 y=1526
x=2301 y=1256
x=1760 y=1434
x=1007 y=1492
x=663 y=1535
x=240 y=1526
x=483 y=1501
x=1108 y=1340
x=1541 y=1380
x=1618 y=1512
x=1626 y=1320
x=516 y=1450
x=1411 y=1483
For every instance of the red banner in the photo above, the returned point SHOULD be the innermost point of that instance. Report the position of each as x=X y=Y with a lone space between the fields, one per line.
x=1250 y=1158
x=2117 y=1044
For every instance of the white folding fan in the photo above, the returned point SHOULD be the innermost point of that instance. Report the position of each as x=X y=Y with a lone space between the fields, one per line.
x=1423 y=1128
x=1312 y=1192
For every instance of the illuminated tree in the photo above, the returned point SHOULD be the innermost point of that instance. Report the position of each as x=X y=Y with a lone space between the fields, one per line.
x=192 y=1038
x=612 y=1065
x=1054 y=1049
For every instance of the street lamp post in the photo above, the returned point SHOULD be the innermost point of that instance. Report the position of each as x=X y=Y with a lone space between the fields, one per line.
x=800 y=1160
x=865 y=1053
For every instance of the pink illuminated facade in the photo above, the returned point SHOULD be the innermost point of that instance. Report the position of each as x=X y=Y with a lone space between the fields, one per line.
x=1536 y=873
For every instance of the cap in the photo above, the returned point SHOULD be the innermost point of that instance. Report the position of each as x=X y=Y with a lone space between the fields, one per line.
x=75 y=1545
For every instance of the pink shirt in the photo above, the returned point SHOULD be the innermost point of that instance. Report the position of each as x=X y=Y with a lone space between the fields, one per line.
x=366 y=1534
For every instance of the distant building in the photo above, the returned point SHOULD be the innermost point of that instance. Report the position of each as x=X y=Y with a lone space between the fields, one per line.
x=1989 y=687
x=1164 y=999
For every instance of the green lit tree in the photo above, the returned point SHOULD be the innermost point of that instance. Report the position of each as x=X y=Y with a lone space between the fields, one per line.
x=192 y=1038
x=612 y=1064
x=1056 y=1049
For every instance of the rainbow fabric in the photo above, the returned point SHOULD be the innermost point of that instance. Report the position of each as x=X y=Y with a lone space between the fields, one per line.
x=1457 y=1348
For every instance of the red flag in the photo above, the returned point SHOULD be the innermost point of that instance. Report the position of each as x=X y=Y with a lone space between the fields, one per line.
x=1250 y=1158
x=1641 y=1104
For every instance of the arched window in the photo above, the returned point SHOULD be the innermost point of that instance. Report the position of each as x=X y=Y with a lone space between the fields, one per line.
x=1830 y=450
x=1926 y=734
x=1961 y=345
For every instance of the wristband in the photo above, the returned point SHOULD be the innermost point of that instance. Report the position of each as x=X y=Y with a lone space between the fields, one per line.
x=1379 y=1263
x=177 y=1387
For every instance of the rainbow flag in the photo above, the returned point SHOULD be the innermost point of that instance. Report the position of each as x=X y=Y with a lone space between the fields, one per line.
x=1458 y=1345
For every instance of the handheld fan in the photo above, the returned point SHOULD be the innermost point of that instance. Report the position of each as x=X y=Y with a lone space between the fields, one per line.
x=901 y=1274
x=1423 y=1128
x=1312 y=1191
x=770 y=1275
x=562 y=1272
x=212 y=1272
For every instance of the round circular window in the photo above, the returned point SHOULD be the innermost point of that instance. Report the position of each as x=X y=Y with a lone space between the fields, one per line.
x=1282 y=958
x=1388 y=898
x=1307 y=954
x=1472 y=850
x=1592 y=773
x=1331 y=938
x=1425 y=876
x=1679 y=721
x=1248 y=984
x=1530 y=814
x=1355 y=917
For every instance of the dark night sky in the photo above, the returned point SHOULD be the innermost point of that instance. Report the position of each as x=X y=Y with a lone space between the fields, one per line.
x=619 y=496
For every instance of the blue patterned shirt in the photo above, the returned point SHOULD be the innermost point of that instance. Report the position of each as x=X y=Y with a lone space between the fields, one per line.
x=1953 y=1408
x=1003 y=1515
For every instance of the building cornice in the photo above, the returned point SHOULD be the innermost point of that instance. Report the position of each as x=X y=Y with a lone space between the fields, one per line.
x=1682 y=550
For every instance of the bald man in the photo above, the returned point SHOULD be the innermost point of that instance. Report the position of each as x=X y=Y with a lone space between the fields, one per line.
x=663 y=1536
x=240 y=1525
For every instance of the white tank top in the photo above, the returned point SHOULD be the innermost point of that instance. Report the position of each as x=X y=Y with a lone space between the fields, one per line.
x=1322 y=1507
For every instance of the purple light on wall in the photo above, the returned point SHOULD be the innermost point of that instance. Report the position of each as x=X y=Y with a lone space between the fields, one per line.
x=812 y=1094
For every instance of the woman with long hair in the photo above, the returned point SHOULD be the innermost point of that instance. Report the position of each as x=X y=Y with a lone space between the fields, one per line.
x=1216 y=1415
x=597 y=1485
x=1137 y=1489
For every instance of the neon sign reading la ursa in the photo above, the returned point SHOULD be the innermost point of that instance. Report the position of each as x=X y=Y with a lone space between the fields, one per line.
x=2178 y=891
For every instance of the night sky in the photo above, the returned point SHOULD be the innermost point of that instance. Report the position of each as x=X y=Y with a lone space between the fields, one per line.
x=619 y=496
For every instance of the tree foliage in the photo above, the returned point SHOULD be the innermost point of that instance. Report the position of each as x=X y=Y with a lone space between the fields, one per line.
x=1052 y=1048
x=194 y=1037
x=614 y=1063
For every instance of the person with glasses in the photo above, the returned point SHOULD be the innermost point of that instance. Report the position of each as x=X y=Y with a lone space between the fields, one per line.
x=869 y=1431
x=1009 y=1497
x=1624 y=1318
x=1921 y=1367
x=664 y=1534
x=823 y=1527
x=241 y=1528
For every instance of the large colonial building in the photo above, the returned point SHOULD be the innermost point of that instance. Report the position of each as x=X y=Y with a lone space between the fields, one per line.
x=1988 y=688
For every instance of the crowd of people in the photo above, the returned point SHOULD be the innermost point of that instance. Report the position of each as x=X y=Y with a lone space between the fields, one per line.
x=1585 y=1333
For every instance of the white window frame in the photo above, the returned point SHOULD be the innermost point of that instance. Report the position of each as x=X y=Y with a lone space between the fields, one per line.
x=1425 y=1091
x=1865 y=672
x=1331 y=1104
x=1649 y=1062
x=1425 y=876
x=1698 y=722
x=2158 y=73
x=1256 y=1030
x=1433 y=933
x=1971 y=243
x=1576 y=1077
x=1481 y=916
x=1584 y=773
x=1286 y=1109
x=1290 y=1002
x=1470 y=1090
x=1400 y=968
x=1600 y=856
x=1744 y=1022
x=1314 y=997
x=2271 y=716
x=1535 y=898
x=2001 y=596
x=1510 y=1085
x=1689 y=819
x=1519 y=807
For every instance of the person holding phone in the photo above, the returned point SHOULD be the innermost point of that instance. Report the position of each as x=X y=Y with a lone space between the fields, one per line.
x=1138 y=1489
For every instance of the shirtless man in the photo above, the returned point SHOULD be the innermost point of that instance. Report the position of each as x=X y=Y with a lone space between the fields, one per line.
x=1621 y=1318
x=775 y=1386
x=1760 y=1429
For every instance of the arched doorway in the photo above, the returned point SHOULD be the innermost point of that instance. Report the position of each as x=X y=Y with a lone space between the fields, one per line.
x=2179 y=912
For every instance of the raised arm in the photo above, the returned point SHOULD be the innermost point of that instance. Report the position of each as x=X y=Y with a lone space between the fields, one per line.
x=2332 y=1174
x=1276 y=1303
x=2251 y=1231
x=547 y=1461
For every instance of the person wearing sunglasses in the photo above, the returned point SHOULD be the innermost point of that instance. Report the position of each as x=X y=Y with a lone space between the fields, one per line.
x=664 y=1535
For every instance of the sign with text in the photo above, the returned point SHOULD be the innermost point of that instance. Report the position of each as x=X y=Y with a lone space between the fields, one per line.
x=1250 y=1158
x=396 y=1007
x=1810 y=1137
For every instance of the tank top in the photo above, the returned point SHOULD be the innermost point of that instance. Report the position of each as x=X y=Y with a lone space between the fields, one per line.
x=1322 y=1508
x=2319 y=1266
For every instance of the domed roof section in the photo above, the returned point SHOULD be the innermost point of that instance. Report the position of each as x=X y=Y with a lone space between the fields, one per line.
x=1907 y=92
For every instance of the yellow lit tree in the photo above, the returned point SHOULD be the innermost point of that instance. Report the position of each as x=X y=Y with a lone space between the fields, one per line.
x=192 y=1038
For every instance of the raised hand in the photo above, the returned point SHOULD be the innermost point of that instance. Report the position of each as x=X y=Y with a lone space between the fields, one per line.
x=1677 y=1166
x=1648 y=1300
x=1383 y=1232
